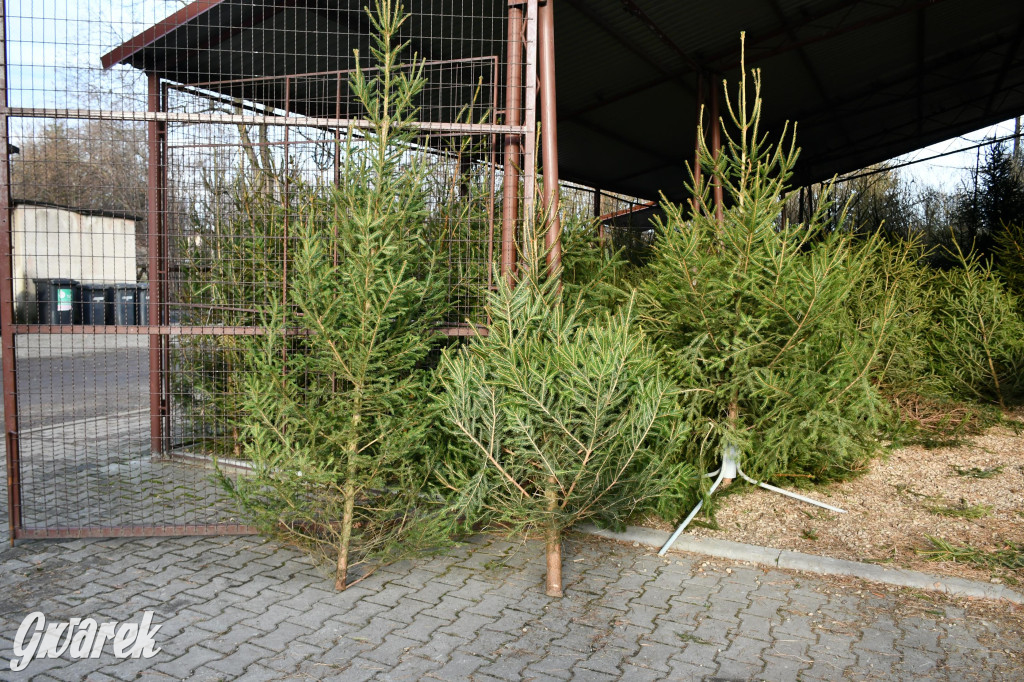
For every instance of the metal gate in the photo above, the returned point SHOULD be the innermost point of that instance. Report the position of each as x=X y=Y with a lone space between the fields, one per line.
x=144 y=217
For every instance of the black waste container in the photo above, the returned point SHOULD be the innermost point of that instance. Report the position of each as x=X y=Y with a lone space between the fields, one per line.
x=55 y=301
x=95 y=302
x=126 y=304
x=143 y=300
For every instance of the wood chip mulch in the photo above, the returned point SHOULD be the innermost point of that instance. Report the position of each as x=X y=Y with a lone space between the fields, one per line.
x=907 y=495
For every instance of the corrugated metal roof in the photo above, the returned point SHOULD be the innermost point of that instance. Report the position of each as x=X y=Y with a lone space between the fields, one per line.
x=865 y=80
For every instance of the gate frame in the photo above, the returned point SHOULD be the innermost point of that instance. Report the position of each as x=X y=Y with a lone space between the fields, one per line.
x=529 y=54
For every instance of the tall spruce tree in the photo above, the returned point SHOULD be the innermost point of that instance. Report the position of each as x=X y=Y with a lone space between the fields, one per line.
x=558 y=417
x=976 y=344
x=336 y=410
x=755 y=313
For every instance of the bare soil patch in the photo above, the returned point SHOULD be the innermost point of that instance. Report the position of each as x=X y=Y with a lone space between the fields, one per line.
x=907 y=495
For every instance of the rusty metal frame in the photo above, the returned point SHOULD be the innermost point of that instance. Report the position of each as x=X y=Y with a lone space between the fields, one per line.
x=530 y=30
x=530 y=121
x=9 y=361
x=156 y=141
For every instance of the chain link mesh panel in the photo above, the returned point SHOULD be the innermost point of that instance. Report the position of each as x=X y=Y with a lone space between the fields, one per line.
x=157 y=155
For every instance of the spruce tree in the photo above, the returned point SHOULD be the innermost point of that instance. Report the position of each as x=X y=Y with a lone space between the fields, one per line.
x=977 y=341
x=556 y=417
x=336 y=405
x=755 y=314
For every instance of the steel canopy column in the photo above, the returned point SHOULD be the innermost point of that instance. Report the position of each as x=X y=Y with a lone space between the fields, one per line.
x=157 y=143
x=549 y=134
x=513 y=142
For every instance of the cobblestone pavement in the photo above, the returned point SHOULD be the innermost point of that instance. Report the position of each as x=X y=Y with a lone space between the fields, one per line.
x=242 y=608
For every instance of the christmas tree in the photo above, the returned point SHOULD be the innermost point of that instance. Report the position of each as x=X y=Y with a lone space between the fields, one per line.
x=336 y=400
x=754 y=314
x=557 y=417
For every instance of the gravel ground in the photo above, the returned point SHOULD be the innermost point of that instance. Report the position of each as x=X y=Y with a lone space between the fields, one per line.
x=908 y=494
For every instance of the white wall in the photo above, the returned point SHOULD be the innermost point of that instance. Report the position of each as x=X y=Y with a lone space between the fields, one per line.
x=53 y=242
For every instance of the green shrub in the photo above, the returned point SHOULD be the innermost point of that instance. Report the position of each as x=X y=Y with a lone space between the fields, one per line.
x=977 y=341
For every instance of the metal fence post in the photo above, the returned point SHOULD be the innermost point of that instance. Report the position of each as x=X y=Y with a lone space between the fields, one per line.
x=549 y=133
x=156 y=139
x=8 y=351
x=513 y=142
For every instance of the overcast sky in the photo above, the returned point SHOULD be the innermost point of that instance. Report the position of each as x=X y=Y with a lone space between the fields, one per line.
x=947 y=173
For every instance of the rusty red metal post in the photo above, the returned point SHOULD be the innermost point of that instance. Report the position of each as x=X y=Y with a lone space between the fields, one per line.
x=549 y=135
x=716 y=149
x=530 y=122
x=513 y=142
x=155 y=195
x=10 y=373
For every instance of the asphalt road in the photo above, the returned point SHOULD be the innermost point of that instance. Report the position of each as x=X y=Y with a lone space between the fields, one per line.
x=81 y=381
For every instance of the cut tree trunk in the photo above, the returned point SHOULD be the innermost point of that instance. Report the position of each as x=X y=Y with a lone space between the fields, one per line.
x=554 y=552
x=554 y=543
x=341 y=578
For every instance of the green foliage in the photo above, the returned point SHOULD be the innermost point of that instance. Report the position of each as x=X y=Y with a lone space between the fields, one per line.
x=1011 y=556
x=961 y=510
x=981 y=210
x=593 y=269
x=1009 y=252
x=977 y=342
x=228 y=271
x=336 y=409
x=758 y=317
x=558 y=420
x=978 y=472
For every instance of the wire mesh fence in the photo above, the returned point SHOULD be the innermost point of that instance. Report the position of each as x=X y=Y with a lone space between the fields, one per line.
x=157 y=158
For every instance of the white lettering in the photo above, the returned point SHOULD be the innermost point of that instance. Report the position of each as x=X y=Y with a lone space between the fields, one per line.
x=125 y=638
x=145 y=644
x=82 y=638
x=81 y=645
x=35 y=622
x=106 y=632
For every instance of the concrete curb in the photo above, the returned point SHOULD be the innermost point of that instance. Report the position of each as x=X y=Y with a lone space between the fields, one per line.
x=797 y=561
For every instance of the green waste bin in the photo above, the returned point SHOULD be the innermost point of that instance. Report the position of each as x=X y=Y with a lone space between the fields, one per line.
x=55 y=301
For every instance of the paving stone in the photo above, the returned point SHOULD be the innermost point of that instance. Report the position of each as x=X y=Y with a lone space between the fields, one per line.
x=236 y=663
x=654 y=655
x=391 y=650
x=460 y=666
x=235 y=608
x=422 y=628
x=557 y=662
x=729 y=669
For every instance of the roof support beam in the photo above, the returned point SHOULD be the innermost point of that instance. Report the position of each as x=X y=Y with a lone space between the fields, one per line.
x=904 y=80
x=839 y=30
x=943 y=132
x=805 y=61
x=1011 y=55
x=717 y=63
x=634 y=9
x=585 y=8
